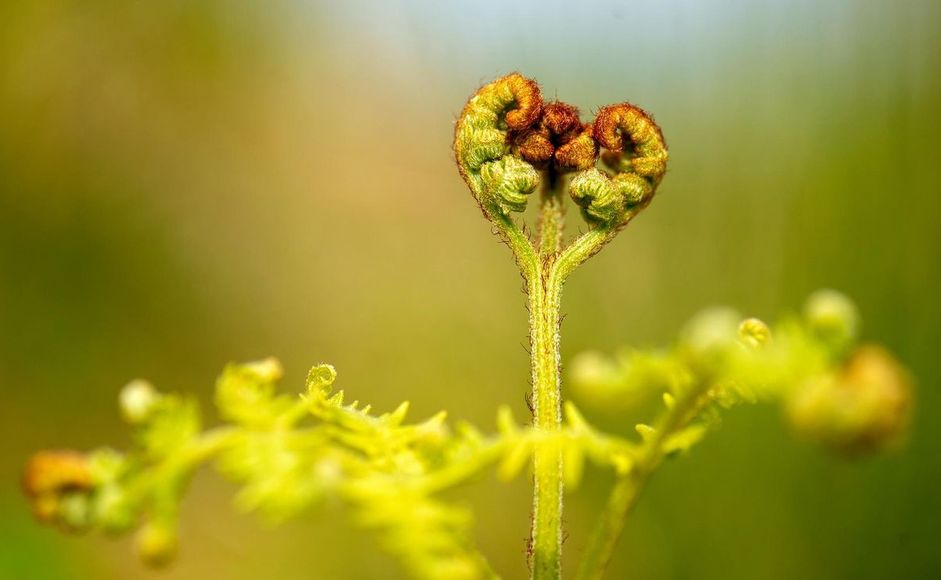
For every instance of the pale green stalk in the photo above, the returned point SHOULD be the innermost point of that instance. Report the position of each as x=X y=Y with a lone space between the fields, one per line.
x=545 y=295
x=551 y=218
x=628 y=488
x=547 y=416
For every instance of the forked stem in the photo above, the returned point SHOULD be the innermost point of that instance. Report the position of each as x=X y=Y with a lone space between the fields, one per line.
x=544 y=318
x=505 y=136
x=545 y=295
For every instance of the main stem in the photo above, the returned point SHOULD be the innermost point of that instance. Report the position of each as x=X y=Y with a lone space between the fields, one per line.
x=544 y=298
x=545 y=266
x=544 y=317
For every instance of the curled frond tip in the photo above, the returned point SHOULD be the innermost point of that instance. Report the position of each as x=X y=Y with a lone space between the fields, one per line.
x=508 y=120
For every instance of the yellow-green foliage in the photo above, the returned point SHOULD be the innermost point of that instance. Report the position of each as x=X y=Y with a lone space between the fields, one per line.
x=290 y=452
x=851 y=398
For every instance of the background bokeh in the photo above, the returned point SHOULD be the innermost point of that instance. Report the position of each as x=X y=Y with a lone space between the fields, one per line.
x=187 y=183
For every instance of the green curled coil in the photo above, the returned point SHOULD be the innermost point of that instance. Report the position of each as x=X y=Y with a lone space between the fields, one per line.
x=508 y=182
x=636 y=151
x=605 y=199
x=500 y=182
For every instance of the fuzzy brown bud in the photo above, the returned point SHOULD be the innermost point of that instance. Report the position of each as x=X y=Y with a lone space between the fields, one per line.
x=559 y=118
x=580 y=152
x=558 y=136
x=535 y=146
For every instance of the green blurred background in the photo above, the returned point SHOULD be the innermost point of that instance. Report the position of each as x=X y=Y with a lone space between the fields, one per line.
x=187 y=183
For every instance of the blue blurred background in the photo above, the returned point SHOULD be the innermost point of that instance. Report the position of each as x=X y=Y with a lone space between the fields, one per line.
x=187 y=183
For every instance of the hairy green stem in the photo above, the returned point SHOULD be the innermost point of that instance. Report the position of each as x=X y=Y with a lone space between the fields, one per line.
x=522 y=247
x=544 y=301
x=584 y=247
x=545 y=266
x=545 y=295
x=551 y=219
x=544 y=319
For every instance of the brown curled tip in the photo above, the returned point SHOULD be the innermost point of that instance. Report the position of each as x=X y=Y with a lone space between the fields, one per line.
x=558 y=136
x=613 y=122
x=560 y=118
x=49 y=476
x=535 y=146
x=53 y=472
x=580 y=152
x=528 y=99
x=50 y=472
